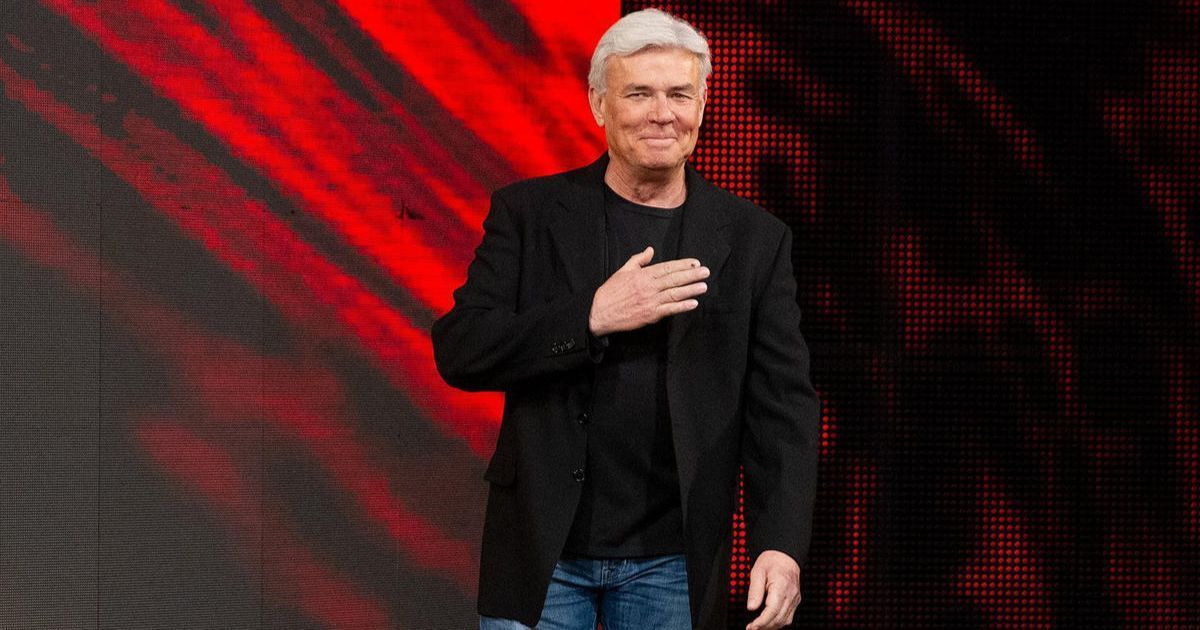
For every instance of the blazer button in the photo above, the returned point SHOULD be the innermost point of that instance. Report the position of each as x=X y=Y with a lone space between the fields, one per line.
x=577 y=474
x=584 y=418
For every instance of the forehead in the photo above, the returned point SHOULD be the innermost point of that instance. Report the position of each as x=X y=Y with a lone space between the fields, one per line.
x=674 y=66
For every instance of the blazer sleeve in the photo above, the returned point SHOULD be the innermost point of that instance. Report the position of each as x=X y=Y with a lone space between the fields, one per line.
x=782 y=420
x=486 y=342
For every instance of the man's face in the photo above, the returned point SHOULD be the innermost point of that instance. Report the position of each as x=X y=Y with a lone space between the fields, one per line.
x=652 y=108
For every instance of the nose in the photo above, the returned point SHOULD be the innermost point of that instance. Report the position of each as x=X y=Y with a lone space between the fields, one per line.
x=660 y=110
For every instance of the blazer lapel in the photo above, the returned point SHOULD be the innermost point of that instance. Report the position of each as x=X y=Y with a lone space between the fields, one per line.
x=700 y=238
x=578 y=230
x=578 y=233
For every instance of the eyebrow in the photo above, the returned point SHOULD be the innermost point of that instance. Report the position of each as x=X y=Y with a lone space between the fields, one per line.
x=683 y=87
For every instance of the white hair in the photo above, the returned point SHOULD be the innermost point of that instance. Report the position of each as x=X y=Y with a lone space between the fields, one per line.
x=641 y=30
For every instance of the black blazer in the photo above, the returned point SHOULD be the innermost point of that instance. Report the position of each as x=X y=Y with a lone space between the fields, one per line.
x=737 y=382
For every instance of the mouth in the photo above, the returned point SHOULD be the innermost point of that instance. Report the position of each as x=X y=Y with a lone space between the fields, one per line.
x=659 y=141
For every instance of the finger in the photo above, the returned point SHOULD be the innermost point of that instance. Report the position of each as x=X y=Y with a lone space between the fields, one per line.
x=789 y=601
x=671 y=266
x=681 y=277
x=677 y=294
x=761 y=622
x=640 y=259
x=757 y=587
x=674 y=308
x=785 y=604
x=793 y=604
x=773 y=612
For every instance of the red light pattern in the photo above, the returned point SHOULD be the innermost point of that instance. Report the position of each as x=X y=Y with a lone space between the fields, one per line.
x=253 y=210
x=995 y=222
x=336 y=188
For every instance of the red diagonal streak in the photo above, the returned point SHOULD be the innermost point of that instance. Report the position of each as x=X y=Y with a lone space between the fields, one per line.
x=303 y=403
x=281 y=115
x=1005 y=577
x=1166 y=113
x=931 y=305
x=928 y=56
x=412 y=166
x=314 y=589
x=527 y=109
x=847 y=585
x=250 y=239
x=455 y=185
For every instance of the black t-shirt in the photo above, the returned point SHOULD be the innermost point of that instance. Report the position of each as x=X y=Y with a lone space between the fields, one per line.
x=630 y=504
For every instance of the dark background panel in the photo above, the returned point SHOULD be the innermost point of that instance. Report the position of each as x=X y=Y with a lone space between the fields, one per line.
x=49 y=457
x=999 y=292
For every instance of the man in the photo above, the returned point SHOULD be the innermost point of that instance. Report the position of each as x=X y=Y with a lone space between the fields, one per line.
x=644 y=328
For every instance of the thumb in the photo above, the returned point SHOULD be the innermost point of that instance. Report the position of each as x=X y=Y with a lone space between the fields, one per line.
x=758 y=581
x=640 y=259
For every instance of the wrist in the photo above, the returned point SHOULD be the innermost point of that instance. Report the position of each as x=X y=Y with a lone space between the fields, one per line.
x=594 y=325
x=595 y=328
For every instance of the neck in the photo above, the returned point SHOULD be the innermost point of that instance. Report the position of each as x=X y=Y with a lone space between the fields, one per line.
x=660 y=189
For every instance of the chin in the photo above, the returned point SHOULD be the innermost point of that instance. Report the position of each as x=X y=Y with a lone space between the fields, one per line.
x=661 y=163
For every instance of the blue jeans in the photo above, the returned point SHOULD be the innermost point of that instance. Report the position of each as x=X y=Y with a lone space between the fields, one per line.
x=623 y=594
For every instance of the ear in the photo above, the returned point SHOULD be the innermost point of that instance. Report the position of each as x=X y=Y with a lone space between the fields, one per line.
x=595 y=100
x=703 y=102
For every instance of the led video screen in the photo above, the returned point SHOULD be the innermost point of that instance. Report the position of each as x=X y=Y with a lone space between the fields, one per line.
x=226 y=228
